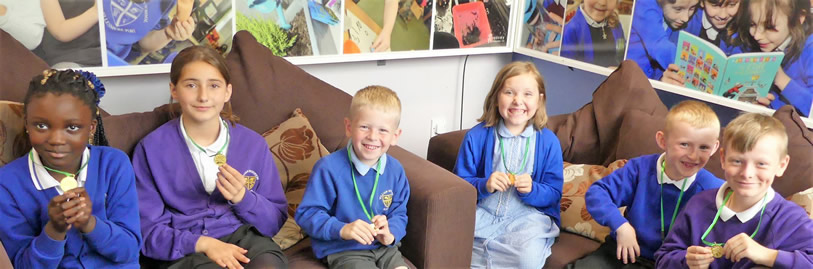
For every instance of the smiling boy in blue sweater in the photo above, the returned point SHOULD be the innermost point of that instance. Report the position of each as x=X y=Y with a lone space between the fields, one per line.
x=653 y=188
x=354 y=207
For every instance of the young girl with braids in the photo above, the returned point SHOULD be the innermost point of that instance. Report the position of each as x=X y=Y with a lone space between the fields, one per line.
x=209 y=190
x=65 y=203
x=515 y=163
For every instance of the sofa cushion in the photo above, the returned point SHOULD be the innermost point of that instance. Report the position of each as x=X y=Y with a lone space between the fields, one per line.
x=296 y=148
x=577 y=179
x=12 y=131
x=20 y=65
x=805 y=200
x=126 y=130
x=266 y=88
x=799 y=175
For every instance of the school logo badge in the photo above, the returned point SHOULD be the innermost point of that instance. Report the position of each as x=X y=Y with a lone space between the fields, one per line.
x=251 y=178
x=386 y=198
x=125 y=12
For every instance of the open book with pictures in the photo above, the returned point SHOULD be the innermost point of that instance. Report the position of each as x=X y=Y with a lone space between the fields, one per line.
x=744 y=76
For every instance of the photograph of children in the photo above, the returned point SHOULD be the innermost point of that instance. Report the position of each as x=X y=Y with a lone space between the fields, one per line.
x=293 y=27
x=386 y=25
x=654 y=33
x=596 y=31
x=542 y=25
x=64 y=33
x=471 y=23
x=141 y=32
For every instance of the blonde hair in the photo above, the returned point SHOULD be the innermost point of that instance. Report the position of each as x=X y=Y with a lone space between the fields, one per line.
x=378 y=97
x=743 y=132
x=697 y=114
x=491 y=114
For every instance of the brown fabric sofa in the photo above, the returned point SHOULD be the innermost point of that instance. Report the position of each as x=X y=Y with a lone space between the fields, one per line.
x=266 y=89
x=620 y=123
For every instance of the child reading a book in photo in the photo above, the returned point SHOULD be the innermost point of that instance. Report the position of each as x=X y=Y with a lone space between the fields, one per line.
x=208 y=188
x=654 y=33
x=744 y=223
x=515 y=163
x=786 y=26
x=68 y=203
x=355 y=204
x=654 y=188
x=594 y=34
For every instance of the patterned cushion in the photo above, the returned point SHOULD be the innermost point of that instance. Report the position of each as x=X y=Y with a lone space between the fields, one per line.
x=577 y=179
x=11 y=130
x=805 y=200
x=296 y=148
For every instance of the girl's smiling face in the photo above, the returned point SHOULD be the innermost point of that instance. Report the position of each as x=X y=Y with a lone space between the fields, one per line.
x=721 y=12
x=768 y=34
x=599 y=10
x=58 y=127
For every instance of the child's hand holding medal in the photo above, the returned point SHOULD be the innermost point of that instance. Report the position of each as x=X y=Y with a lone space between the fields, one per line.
x=73 y=208
x=359 y=230
x=382 y=228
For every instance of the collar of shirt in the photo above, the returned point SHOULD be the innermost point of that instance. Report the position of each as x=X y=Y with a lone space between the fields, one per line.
x=745 y=215
x=590 y=21
x=665 y=26
x=784 y=45
x=212 y=149
x=360 y=166
x=505 y=133
x=43 y=180
x=667 y=180
x=709 y=28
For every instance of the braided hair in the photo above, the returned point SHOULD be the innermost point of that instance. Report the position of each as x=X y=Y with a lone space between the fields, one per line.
x=81 y=84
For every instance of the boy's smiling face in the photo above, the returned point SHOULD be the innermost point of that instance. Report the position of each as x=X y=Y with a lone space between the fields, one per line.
x=372 y=131
x=751 y=173
x=687 y=148
x=677 y=14
x=720 y=13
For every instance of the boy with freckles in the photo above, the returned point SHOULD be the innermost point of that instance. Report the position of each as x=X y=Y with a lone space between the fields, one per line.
x=354 y=207
x=744 y=223
x=654 y=188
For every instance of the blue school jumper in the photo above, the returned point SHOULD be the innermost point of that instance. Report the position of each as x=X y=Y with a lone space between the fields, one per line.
x=577 y=41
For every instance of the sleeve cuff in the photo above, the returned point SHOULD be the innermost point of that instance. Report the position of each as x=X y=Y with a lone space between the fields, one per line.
x=101 y=232
x=616 y=221
x=45 y=246
x=248 y=202
x=188 y=242
x=481 y=188
x=335 y=232
x=784 y=259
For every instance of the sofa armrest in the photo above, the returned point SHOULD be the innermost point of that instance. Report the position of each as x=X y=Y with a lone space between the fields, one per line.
x=441 y=208
x=443 y=148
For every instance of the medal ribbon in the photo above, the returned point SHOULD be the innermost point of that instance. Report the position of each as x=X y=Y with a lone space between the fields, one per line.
x=680 y=198
x=221 y=148
x=370 y=213
x=31 y=156
x=720 y=209
x=524 y=158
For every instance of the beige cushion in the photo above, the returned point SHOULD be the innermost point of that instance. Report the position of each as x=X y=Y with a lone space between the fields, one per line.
x=805 y=200
x=577 y=179
x=296 y=148
x=11 y=130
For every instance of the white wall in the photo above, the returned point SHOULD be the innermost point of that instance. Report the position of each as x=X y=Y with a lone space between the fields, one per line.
x=430 y=89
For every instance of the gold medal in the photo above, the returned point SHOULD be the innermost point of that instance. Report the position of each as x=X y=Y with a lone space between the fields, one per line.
x=717 y=251
x=220 y=159
x=373 y=226
x=512 y=178
x=68 y=183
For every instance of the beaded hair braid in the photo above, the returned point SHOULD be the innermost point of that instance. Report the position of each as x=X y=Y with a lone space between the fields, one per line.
x=81 y=84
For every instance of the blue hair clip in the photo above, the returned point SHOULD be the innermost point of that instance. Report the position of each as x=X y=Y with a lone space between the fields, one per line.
x=97 y=84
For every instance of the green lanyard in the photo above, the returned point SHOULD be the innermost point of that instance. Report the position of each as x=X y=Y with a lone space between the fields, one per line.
x=221 y=148
x=31 y=156
x=680 y=198
x=720 y=209
x=370 y=213
x=524 y=158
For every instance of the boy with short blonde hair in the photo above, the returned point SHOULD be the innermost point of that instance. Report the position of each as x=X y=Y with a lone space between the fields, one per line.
x=653 y=188
x=357 y=217
x=756 y=226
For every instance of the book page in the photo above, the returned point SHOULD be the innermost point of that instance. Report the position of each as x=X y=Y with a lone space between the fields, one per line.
x=701 y=63
x=749 y=76
x=360 y=28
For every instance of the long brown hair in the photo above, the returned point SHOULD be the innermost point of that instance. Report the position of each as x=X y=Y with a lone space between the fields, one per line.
x=213 y=58
x=491 y=114
x=794 y=9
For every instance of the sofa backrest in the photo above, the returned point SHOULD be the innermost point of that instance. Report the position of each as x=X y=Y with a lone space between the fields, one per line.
x=267 y=88
x=19 y=66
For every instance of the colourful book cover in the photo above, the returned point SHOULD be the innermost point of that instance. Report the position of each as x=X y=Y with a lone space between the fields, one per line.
x=705 y=67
